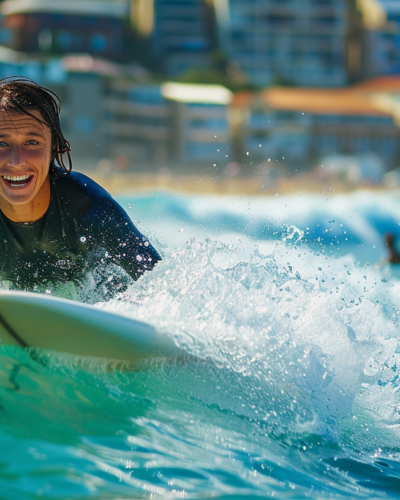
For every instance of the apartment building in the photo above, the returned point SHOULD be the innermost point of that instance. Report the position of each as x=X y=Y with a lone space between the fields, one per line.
x=287 y=41
x=137 y=123
x=299 y=126
x=97 y=27
x=383 y=39
x=201 y=130
x=181 y=32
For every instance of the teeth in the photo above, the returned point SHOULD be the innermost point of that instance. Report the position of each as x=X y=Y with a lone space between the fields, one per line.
x=16 y=177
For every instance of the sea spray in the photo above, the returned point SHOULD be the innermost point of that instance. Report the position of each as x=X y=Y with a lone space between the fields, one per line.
x=302 y=343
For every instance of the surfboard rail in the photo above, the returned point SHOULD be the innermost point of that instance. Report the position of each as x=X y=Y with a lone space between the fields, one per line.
x=37 y=320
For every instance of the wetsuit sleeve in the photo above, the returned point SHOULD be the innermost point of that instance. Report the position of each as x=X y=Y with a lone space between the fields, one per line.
x=108 y=227
x=124 y=243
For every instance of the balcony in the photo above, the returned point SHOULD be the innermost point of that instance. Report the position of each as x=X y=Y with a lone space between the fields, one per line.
x=139 y=132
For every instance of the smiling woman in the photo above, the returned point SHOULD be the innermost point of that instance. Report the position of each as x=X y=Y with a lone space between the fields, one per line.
x=55 y=224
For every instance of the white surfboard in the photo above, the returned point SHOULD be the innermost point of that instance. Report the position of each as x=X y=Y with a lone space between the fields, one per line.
x=34 y=320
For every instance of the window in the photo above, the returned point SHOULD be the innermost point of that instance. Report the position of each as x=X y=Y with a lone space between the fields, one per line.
x=98 y=43
x=5 y=36
x=84 y=124
x=65 y=40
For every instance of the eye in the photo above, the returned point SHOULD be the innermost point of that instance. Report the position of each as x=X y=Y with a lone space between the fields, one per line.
x=3 y=144
x=32 y=142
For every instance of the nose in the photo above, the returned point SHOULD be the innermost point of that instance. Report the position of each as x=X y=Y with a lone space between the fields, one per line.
x=17 y=158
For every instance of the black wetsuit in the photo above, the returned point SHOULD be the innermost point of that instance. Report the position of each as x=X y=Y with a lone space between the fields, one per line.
x=83 y=228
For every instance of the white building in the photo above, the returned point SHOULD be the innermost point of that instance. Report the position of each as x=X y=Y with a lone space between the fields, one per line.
x=201 y=128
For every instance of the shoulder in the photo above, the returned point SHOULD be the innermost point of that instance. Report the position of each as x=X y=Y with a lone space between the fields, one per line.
x=80 y=185
x=81 y=194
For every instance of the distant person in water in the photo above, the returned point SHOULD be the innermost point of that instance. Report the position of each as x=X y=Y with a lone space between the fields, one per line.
x=393 y=256
x=55 y=225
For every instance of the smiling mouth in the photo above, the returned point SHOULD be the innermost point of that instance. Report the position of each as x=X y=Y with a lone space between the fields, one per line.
x=16 y=181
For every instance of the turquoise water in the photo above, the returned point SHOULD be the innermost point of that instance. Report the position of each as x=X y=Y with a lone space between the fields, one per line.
x=295 y=390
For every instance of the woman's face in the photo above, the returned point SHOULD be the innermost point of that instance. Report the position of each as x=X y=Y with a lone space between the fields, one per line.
x=25 y=155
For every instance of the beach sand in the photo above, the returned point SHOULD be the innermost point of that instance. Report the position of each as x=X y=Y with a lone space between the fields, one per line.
x=124 y=183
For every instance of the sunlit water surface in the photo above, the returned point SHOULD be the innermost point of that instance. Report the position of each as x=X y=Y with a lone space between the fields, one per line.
x=294 y=322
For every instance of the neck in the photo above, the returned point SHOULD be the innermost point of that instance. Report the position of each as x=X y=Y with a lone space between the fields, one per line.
x=29 y=212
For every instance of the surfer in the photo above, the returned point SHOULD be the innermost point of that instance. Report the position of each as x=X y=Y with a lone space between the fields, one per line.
x=55 y=224
x=393 y=256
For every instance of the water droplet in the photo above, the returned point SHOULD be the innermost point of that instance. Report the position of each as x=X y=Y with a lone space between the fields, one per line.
x=82 y=239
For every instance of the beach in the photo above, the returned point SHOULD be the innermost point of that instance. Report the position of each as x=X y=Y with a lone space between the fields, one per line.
x=120 y=183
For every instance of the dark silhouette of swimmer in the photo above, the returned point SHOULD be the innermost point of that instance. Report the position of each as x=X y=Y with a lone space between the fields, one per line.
x=393 y=256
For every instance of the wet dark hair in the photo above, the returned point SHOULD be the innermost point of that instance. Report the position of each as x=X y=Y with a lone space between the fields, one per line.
x=23 y=95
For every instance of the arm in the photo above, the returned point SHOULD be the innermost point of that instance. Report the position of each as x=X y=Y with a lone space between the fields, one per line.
x=126 y=246
x=107 y=225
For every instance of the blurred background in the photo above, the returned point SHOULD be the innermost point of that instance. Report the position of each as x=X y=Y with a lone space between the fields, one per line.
x=205 y=93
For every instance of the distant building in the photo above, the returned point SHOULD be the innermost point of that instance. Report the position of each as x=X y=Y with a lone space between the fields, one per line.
x=299 y=43
x=181 y=32
x=137 y=123
x=201 y=131
x=168 y=124
x=297 y=127
x=383 y=38
x=96 y=27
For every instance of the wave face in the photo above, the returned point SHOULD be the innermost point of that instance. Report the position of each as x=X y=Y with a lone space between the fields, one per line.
x=294 y=389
